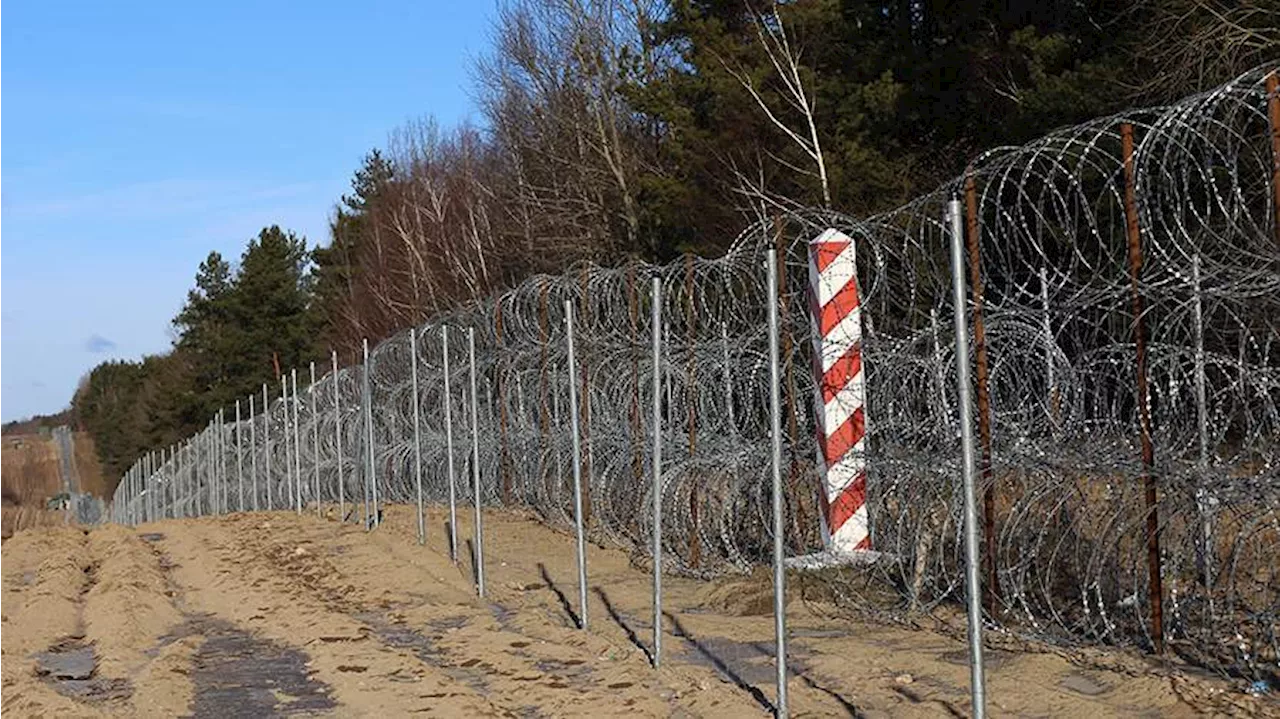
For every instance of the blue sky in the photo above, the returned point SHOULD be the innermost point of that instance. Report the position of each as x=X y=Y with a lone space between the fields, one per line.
x=137 y=137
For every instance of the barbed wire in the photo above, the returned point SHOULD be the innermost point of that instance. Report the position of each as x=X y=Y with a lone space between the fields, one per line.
x=1065 y=477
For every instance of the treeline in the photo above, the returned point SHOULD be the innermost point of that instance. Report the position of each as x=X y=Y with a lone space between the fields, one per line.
x=618 y=128
x=239 y=327
x=38 y=424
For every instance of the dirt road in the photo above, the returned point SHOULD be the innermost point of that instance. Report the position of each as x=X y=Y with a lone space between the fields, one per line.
x=273 y=614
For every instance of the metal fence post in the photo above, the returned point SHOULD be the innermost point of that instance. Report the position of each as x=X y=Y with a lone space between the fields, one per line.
x=475 y=462
x=656 y=489
x=297 y=444
x=417 y=439
x=200 y=471
x=211 y=465
x=973 y=588
x=157 y=501
x=239 y=458
x=973 y=245
x=1272 y=85
x=1134 y=236
x=315 y=439
x=184 y=464
x=266 y=443
x=288 y=470
x=775 y=450
x=371 y=481
x=337 y=439
x=253 y=453
x=222 y=461
x=210 y=469
x=1050 y=344
x=1204 y=498
x=448 y=440
x=173 y=481
x=575 y=438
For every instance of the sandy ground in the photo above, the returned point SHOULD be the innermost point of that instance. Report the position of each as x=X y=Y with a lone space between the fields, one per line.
x=274 y=614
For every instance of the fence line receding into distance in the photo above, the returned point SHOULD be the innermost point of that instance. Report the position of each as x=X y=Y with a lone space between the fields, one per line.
x=1152 y=233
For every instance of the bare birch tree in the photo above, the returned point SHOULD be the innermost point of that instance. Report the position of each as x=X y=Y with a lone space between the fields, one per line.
x=553 y=93
x=796 y=96
x=1196 y=44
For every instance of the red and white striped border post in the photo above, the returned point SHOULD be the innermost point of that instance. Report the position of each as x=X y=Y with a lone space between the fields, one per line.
x=839 y=392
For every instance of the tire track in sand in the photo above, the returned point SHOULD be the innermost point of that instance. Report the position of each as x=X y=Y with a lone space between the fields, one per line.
x=410 y=598
x=222 y=582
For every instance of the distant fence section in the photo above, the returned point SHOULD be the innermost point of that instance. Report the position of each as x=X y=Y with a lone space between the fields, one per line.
x=81 y=508
x=1124 y=304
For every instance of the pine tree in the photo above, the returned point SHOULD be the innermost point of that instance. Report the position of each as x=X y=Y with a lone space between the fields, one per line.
x=336 y=306
x=207 y=338
x=270 y=302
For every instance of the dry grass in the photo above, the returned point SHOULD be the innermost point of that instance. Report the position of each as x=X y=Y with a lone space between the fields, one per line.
x=29 y=476
x=88 y=467
x=16 y=519
x=29 y=470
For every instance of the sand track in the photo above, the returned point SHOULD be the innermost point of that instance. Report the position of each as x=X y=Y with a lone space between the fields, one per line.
x=275 y=614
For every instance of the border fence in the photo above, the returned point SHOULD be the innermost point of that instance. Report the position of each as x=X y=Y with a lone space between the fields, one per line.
x=1123 y=285
x=84 y=508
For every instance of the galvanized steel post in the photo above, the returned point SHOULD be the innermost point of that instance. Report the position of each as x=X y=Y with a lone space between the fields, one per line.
x=239 y=458
x=371 y=480
x=297 y=444
x=973 y=589
x=656 y=489
x=417 y=439
x=253 y=454
x=448 y=440
x=575 y=432
x=1204 y=499
x=337 y=439
x=475 y=462
x=775 y=451
x=315 y=439
x=288 y=471
x=266 y=443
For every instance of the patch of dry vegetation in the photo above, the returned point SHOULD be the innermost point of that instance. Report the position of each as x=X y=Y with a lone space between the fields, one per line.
x=29 y=470
x=16 y=519
x=29 y=477
x=88 y=468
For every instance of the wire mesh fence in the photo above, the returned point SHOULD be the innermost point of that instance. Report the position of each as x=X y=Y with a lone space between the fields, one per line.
x=1124 y=290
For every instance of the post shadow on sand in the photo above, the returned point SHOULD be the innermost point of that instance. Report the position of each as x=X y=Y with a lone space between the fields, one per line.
x=769 y=651
x=564 y=601
x=448 y=538
x=719 y=664
x=794 y=668
x=618 y=619
x=475 y=565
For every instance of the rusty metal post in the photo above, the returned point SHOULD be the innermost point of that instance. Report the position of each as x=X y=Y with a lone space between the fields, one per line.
x=691 y=388
x=1273 y=115
x=982 y=390
x=585 y=408
x=504 y=449
x=977 y=679
x=544 y=418
x=1144 y=407
x=633 y=309
x=799 y=513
